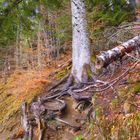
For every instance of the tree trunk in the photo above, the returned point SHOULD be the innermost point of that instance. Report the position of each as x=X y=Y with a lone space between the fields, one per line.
x=111 y=5
x=132 y=5
x=80 y=42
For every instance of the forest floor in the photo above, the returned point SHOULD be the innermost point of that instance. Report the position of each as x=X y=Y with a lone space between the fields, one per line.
x=24 y=85
x=116 y=112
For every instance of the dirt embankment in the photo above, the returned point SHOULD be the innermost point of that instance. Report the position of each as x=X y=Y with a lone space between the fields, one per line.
x=24 y=85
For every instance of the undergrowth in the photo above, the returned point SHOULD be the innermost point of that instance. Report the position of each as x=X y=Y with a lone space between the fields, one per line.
x=119 y=118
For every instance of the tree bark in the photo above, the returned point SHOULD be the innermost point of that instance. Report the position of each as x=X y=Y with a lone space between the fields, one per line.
x=80 y=42
x=105 y=58
x=132 y=5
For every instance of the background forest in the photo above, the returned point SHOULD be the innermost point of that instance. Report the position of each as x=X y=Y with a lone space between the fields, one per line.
x=35 y=51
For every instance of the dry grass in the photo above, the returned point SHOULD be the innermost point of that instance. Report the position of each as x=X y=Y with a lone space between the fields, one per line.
x=21 y=86
x=24 y=85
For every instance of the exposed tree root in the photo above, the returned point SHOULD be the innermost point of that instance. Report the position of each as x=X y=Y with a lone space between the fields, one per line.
x=78 y=97
x=110 y=84
x=40 y=113
x=67 y=123
x=62 y=93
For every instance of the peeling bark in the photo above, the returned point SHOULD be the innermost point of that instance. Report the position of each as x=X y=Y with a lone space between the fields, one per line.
x=105 y=58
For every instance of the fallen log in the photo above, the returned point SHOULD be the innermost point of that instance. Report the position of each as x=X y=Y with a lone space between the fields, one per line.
x=107 y=57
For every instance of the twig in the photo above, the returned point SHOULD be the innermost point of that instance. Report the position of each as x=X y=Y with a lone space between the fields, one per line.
x=81 y=102
x=84 y=89
x=129 y=24
x=41 y=136
x=66 y=64
x=78 y=97
x=63 y=104
x=133 y=57
x=54 y=96
x=111 y=83
x=41 y=127
x=118 y=78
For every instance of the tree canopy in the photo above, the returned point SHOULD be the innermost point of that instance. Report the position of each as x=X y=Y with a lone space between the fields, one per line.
x=22 y=15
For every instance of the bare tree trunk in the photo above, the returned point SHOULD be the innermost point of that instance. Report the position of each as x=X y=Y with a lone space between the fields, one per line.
x=17 y=54
x=111 y=5
x=80 y=42
x=39 y=48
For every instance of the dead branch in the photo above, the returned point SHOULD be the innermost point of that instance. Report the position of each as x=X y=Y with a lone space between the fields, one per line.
x=25 y=122
x=119 y=78
x=69 y=62
x=54 y=96
x=132 y=24
x=41 y=128
x=60 y=107
x=110 y=84
x=78 y=97
x=38 y=109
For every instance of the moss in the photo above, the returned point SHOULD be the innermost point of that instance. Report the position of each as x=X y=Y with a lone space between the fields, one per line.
x=138 y=116
x=127 y=107
x=10 y=104
x=94 y=98
x=79 y=137
x=130 y=89
x=122 y=121
x=138 y=6
x=114 y=103
x=61 y=73
x=98 y=112
x=122 y=91
x=32 y=94
x=135 y=88
x=88 y=69
x=93 y=58
x=10 y=107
